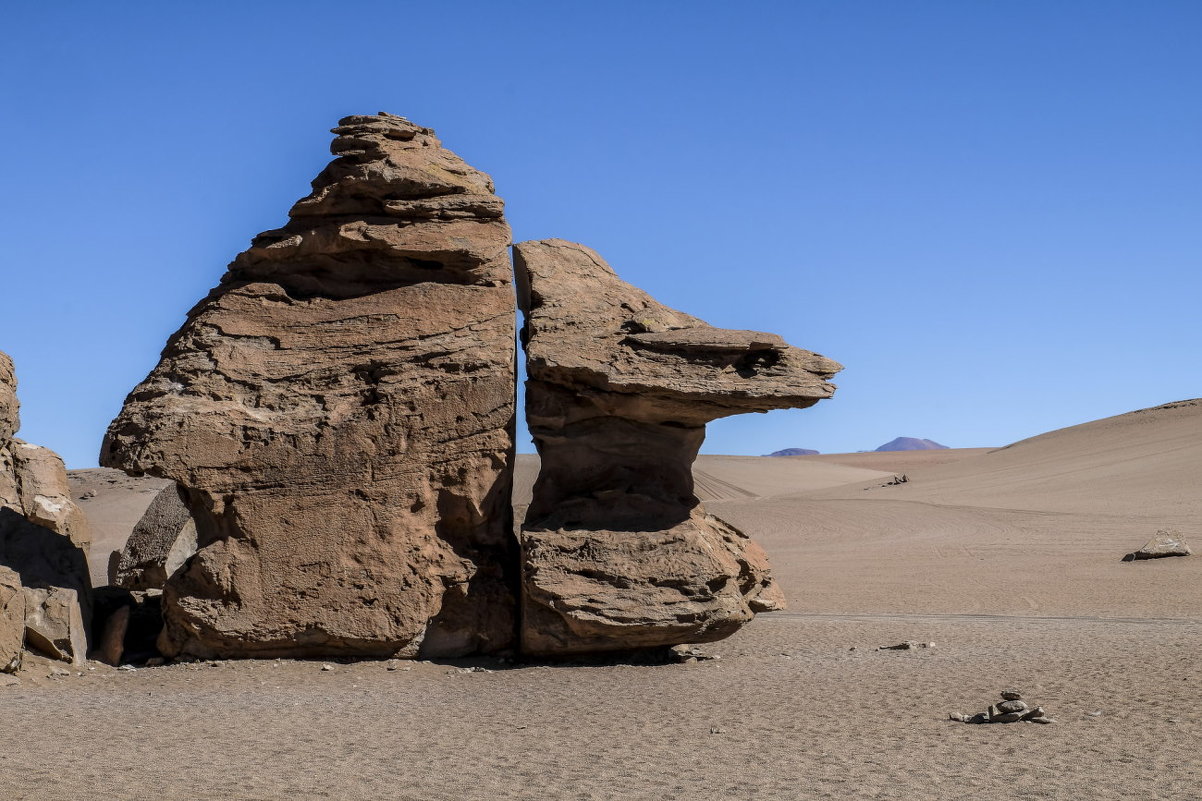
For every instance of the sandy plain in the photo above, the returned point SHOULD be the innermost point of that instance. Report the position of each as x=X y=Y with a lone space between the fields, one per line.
x=1008 y=560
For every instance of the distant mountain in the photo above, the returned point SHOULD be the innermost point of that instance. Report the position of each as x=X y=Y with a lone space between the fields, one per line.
x=797 y=452
x=911 y=444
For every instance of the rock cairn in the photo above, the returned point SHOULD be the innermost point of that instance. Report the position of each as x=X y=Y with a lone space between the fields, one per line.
x=44 y=584
x=338 y=414
x=617 y=551
x=1011 y=709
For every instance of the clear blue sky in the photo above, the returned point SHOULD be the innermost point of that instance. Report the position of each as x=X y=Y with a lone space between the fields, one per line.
x=988 y=211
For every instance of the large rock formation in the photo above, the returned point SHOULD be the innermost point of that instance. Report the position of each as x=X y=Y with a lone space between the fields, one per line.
x=617 y=552
x=44 y=539
x=339 y=415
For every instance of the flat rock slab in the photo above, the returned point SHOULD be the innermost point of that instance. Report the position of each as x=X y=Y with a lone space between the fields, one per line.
x=1166 y=543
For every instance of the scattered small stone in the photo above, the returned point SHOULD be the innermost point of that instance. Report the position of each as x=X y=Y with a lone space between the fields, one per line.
x=717 y=730
x=1011 y=695
x=88 y=495
x=55 y=670
x=393 y=664
x=327 y=667
x=690 y=653
x=473 y=669
x=1097 y=713
x=908 y=645
x=127 y=667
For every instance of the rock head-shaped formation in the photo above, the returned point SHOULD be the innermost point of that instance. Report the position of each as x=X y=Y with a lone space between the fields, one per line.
x=617 y=552
x=44 y=537
x=338 y=413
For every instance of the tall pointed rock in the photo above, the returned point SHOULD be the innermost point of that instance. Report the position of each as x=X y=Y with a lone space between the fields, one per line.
x=338 y=413
x=617 y=552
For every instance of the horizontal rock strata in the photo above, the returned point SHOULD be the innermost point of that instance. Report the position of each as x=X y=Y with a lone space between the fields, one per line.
x=339 y=415
x=617 y=551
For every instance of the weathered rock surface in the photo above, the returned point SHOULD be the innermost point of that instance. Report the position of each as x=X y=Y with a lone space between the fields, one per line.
x=617 y=552
x=9 y=420
x=12 y=620
x=161 y=542
x=54 y=625
x=43 y=540
x=1167 y=542
x=339 y=412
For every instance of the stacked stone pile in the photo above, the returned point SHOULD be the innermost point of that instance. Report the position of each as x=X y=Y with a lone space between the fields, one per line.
x=45 y=591
x=1011 y=709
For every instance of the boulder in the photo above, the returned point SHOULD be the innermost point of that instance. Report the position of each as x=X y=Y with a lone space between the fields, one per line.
x=43 y=540
x=45 y=495
x=1167 y=542
x=617 y=551
x=160 y=543
x=338 y=412
x=12 y=620
x=53 y=624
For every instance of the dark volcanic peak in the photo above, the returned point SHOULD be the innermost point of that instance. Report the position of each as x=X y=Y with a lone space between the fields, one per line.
x=793 y=452
x=912 y=444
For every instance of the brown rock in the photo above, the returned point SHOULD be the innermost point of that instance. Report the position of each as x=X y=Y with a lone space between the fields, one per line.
x=161 y=542
x=12 y=620
x=54 y=625
x=45 y=495
x=1011 y=694
x=43 y=539
x=9 y=417
x=1012 y=706
x=112 y=642
x=617 y=551
x=339 y=413
x=1167 y=542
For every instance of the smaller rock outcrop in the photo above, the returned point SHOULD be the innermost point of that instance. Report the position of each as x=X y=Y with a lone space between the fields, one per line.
x=1011 y=709
x=12 y=620
x=794 y=452
x=43 y=545
x=160 y=543
x=617 y=551
x=1167 y=542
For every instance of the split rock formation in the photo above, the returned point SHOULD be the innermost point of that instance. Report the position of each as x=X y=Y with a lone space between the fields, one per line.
x=162 y=540
x=617 y=551
x=45 y=590
x=338 y=414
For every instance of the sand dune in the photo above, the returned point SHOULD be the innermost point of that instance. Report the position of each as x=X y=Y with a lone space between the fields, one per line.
x=1007 y=559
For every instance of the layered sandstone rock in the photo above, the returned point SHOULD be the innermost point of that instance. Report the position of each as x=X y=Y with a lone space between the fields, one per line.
x=339 y=415
x=617 y=551
x=44 y=539
x=12 y=620
x=163 y=539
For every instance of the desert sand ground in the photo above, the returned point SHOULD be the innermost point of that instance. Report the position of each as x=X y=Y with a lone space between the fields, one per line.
x=1007 y=560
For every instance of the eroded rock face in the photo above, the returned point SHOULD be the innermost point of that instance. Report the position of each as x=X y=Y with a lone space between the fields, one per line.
x=617 y=551
x=12 y=620
x=44 y=539
x=339 y=412
x=161 y=542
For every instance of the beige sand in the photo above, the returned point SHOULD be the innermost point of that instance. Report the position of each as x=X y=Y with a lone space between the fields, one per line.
x=1007 y=560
